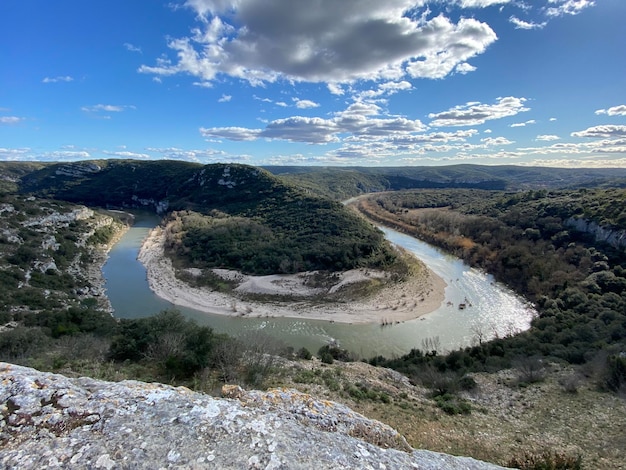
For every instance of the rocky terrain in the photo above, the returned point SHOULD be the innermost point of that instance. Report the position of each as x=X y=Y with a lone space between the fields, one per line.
x=50 y=421
x=52 y=253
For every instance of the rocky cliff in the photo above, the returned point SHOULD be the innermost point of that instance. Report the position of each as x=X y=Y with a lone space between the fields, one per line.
x=51 y=421
x=614 y=237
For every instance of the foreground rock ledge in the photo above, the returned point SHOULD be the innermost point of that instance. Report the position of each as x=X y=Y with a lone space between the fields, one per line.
x=51 y=421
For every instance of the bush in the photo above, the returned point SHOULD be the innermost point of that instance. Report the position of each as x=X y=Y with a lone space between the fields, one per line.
x=21 y=343
x=615 y=375
x=546 y=461
x=452 y=404
x=304 y=353
x=326 y=357
x=335 y=352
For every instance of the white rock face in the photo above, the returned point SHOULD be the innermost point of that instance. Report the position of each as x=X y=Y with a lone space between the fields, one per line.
x=50 y=421
x=615 y=238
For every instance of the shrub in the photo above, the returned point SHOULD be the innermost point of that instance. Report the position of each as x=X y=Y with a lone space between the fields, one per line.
x=546 y=461
x=326 y=357
x=615 y=375
x=304 y=353
x=467 y=383
x=336 y=353
x=452 y=404
x=21 y=343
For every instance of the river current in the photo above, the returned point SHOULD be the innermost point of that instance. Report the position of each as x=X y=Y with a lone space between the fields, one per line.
x=490 y=310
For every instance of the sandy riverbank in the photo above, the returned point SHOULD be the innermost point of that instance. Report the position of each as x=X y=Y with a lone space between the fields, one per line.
x=401 y=302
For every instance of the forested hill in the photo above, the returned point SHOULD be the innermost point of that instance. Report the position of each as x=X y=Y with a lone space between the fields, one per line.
x=241 y=217
x=345 y=182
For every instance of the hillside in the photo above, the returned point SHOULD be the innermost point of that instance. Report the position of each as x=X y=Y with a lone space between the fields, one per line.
x=231 y=216
x=343 y=182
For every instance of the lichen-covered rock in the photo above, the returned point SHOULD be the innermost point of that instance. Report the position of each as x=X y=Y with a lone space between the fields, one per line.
x=50 y=421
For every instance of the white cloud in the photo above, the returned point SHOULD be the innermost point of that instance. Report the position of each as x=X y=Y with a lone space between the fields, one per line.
x=201 y=156
x=231 y=133
x=20 y=154
x=384 y=89
x=614 y=111
x=66 y=78
x=523 y=124
x=547 y=138
x=607 y=131
x=496 y=141
x=109 y=108
x=358 y=121
x=479 y=3
x=65 y=155
x=203 y=84
x=132 y=48
x=340 y=42
x=126 y=154
x=302 y=129
x=225 y=99
x=10 y=119
x=304 y=104
x=335 y=89
x=552 y=119
x=521 y=24
x=473 y=113
x=464 y=68
x=568 y=7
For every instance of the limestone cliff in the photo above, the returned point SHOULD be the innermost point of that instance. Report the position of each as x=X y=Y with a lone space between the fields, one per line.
x=51 y=421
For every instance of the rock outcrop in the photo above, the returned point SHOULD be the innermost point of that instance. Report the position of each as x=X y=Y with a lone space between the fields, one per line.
x=614 y=237
x=51 y=421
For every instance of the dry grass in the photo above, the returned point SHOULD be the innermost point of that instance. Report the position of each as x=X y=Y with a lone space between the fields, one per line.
x=507 y=421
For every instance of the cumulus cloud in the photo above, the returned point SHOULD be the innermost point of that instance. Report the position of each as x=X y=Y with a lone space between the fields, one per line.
x=10 y=120
x=65 y=78
x=568 y=7
x=547 y=137
x=464 y=68
x=12 y=154
x=225 y=98
x=203 y=156
x=606 y=131
x=614 y=111
x=495 y=141
x=335 y=89
x=475 y=113
x=479 y=3
x=336 y=42
x=521 y=24
x=64 y=155
x=384 y=89
x=304 y=104
x=523 y=124
x=359 y=120
x=127 y=154
x=231 y=133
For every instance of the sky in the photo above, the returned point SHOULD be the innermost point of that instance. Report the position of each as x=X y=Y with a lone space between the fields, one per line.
x=315 y=82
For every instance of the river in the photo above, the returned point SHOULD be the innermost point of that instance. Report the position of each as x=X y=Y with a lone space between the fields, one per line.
x=491 y=310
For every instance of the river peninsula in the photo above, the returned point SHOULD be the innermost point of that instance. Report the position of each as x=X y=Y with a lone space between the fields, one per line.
x=292 y=295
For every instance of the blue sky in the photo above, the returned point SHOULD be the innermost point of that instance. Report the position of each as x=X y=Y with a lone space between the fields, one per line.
x=315 y=82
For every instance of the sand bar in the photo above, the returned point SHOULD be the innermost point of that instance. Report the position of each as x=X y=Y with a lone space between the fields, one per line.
x=401 y=302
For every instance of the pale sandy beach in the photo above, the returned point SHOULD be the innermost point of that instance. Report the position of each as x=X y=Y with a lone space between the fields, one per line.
x=404 y=301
